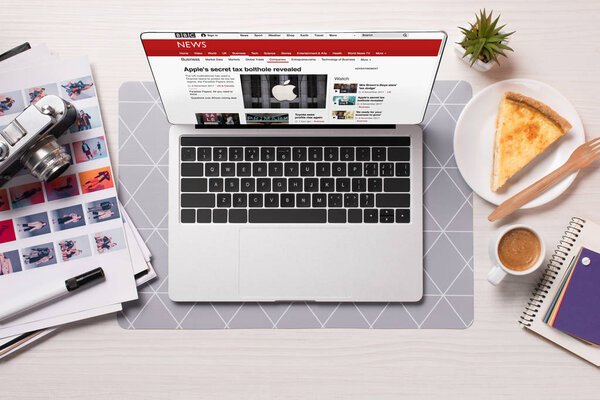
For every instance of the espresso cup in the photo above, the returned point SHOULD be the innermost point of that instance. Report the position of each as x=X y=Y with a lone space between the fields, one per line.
x=515 y=250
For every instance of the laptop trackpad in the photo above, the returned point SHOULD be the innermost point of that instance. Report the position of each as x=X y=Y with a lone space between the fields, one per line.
x=293 y=264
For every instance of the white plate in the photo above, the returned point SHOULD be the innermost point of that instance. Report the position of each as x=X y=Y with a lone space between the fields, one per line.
x=474 y=142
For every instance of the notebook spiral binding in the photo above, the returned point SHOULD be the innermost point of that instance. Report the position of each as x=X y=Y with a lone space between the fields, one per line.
x=561 y=252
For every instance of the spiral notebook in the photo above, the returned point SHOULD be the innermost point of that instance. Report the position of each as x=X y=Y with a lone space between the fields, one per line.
x=579 y=233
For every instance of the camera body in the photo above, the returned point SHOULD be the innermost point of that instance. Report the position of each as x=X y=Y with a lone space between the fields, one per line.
x=30 y=140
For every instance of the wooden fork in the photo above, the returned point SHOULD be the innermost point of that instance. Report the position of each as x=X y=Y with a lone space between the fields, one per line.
x=583 y=156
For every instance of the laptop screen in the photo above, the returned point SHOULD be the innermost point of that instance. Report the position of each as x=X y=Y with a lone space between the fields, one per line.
x=356 y=78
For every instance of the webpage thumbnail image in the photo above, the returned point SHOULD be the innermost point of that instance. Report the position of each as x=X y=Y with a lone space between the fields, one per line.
x=284 y=91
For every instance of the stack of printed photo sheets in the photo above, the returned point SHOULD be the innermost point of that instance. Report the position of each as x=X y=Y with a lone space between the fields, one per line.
x=54 y=231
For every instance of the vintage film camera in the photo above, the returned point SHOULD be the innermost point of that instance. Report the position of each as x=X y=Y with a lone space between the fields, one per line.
x=30 y=140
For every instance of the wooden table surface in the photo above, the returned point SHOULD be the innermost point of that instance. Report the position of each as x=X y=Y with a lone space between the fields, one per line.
x=556 y=42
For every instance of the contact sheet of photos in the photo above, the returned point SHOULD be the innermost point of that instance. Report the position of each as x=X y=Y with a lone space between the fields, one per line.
x=43 y=224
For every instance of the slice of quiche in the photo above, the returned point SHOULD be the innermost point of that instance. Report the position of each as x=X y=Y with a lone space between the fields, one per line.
x=525 y=128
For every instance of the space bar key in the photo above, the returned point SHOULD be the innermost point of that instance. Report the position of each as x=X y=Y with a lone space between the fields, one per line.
x=281 y=216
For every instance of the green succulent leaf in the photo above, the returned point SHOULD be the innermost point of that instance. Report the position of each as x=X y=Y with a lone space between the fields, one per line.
x=484 y=39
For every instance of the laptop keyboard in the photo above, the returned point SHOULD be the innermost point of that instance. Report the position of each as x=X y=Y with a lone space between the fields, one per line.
x=308 y=180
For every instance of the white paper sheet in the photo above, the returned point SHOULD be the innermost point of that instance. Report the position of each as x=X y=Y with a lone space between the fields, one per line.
x=79 y=207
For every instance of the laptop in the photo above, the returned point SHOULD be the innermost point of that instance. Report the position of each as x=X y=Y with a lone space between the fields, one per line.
x=295 y=163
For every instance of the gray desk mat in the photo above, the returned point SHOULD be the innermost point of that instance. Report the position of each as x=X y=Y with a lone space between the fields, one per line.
x=448 y=236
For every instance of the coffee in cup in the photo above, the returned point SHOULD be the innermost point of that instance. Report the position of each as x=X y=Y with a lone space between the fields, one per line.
x=519 y=249
x=515 y=250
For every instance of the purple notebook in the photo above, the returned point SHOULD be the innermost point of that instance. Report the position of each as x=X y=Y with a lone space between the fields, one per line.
x=579 y=313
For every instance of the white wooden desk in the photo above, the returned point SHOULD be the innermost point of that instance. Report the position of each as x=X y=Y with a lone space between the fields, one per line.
x=556 y=42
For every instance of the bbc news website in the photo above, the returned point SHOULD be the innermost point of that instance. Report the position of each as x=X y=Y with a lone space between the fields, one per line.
x=294 y=78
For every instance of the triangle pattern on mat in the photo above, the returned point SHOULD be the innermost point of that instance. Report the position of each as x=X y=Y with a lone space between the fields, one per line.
x=445 y=268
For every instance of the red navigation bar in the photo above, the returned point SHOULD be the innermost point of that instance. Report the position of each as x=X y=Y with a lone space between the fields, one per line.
x=292 y=47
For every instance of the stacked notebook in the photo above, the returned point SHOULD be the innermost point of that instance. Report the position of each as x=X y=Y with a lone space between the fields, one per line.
x=565 y=305
x=57 y=230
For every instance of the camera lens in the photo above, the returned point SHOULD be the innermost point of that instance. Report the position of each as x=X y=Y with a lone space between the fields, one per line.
x=46 y=160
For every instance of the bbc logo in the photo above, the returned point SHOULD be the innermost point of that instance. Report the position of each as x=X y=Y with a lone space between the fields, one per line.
x=185 y=35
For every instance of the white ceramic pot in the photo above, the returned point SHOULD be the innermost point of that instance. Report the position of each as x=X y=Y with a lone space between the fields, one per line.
x=478 y=66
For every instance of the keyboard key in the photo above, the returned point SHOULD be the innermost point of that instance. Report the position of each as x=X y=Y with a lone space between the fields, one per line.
x=315 y=154
x=212 y=169
x=204 y=154
x=244 y=169
x=275 y=169
x=236 y=154
x=263 y=185
x=402 y=169
x=287 y=200
x=334 y=200
x=188 y=154
x=396 y=185
x=355 y=169
x=386 y=169
x=259 y=169
x=307 y=169
x=227 y=169
x=370 y=169
x=371 y=216
x=271 y=200
x=280 y=185
x=375 y=185
x=203 y=216
x=295 y=184
x=393 y=200
x=191 y=169
x=331 y=154
x=238 y=216
x=339 y=169
x=232 y=185
x=188 y=216
x=197 y=200
x=386 y=216
x=240 y=200
x=291 y=169
x=288 y=216
x=248 y=185
x=342 y=184
x=378 y=154
x=303 y=200
x=224 y=200
x=299 y=153
x=359 y=185
x=215 y=184
x=336 y=216
x=255 y=200
x=252 y=154
x=319 y=200
x=311 y=185
x=267 y=154
x=347 y=154
x=350 y=200
x=367 y=200
x=403 y=216
x=363 y=154
x=194 y=184
x=355 y=216
x=219 y=216
x=323 y=169
x=220 y=154
x=284 y=154
x=327 y=185
x=399 y=153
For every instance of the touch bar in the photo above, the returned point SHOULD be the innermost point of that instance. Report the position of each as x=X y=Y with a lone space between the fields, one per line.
x=295 y=141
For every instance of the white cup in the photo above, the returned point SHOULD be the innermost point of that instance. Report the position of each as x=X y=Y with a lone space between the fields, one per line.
x=499 y=271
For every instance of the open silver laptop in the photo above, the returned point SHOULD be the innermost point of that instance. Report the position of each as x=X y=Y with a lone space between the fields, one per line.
x=295 y=163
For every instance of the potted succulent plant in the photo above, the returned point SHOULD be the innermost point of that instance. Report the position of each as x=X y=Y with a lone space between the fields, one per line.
x=482 y=42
